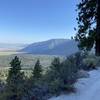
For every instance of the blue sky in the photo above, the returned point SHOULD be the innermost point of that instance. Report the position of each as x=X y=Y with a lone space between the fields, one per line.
x=27 y=21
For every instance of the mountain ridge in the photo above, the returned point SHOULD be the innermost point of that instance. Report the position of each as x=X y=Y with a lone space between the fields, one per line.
x=52 y=47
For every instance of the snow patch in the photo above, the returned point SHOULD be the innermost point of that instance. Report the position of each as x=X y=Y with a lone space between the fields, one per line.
x=87 y=88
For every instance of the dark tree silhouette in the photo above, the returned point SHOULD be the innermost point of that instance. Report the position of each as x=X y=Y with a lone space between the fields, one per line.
x=98 y=29
x=89 y=25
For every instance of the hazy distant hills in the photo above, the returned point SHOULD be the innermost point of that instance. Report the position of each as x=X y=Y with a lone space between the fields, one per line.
x=52 y=47
x=8 y=46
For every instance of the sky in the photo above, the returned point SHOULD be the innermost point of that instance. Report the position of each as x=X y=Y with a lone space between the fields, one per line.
x=28 y=21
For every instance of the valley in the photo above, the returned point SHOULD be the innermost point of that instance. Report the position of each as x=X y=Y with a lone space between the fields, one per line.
x=27 y=62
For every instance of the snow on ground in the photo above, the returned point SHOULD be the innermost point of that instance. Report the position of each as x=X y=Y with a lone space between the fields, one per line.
x=87 y=88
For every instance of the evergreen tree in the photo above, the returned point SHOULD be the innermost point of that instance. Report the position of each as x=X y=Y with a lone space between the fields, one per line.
x=15 y=80
x=89 y=25
x=54 y=70
x=98 y=29
x=37 y=72
x=61 y=76
x=53 y=76
x=55 y=65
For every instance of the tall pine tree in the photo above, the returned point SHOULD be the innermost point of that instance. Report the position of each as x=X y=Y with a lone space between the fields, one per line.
x=56 y=65
x=98 y=29
x=37 y=71
x=54 y=71
x=89 y=25
x=15 y=80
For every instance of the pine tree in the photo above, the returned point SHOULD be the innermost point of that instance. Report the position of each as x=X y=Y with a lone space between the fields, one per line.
x=60 y=75
x=37 y=71
x=98 y=29
x=54 y=70
x=15 y=80
x=55 y=65
x=89 y=25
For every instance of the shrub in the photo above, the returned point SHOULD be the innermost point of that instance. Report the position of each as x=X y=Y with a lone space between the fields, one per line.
x=77 y=59
x=62 y=76
x=36 y=88
x=68 y=74
x=38 y=91
x=90 y=63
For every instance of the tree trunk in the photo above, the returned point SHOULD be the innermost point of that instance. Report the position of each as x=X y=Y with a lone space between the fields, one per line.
x=98 y=29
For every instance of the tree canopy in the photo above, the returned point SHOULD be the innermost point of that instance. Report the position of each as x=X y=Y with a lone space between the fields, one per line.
x=88 y=31
x=87 y=24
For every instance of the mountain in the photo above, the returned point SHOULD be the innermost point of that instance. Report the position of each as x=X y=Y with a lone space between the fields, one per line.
x=52 y=47
x=8 y=46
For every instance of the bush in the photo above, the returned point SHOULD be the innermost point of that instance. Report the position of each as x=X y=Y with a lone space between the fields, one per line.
x=90 y=63
x=38 y=91
x=62 y=76
x=68 y=74
x=77 y=59
x=2 y=85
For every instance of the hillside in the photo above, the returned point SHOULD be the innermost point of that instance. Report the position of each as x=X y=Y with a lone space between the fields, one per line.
x=52 y=47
